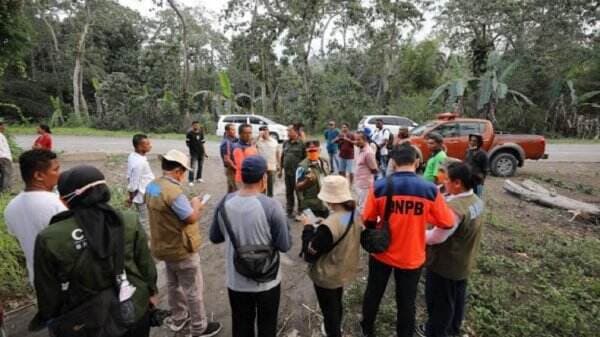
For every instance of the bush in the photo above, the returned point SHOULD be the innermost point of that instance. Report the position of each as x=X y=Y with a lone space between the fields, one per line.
x=13 y=274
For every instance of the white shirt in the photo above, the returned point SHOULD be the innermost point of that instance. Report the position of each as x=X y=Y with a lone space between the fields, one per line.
x=4 y=148
x=268 y=149
x=139 y=175
x=27 y=215
x=379 y=137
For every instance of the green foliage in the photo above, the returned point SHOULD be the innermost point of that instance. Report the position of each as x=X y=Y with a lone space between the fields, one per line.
x=225 y=85
x=13 y=274
x=549 y=288
x=14 y=34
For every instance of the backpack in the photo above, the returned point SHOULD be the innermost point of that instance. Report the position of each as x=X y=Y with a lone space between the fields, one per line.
x=102 y=314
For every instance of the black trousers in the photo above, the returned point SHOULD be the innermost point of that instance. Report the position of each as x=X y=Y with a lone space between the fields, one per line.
x=197 y=161
x=290 y=192
x=445 y=305
x=248 y=308
x=330 y=301
x=406 y=292
x=270 y=183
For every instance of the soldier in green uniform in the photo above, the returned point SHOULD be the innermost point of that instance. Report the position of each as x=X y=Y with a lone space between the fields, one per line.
x=75 y=258
x=293 y=153
x=309 y=176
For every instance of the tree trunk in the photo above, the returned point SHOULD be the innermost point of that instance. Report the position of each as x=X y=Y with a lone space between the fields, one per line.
x=77 y=94
x=186 y=64
x=54 y=57
x=531 y=191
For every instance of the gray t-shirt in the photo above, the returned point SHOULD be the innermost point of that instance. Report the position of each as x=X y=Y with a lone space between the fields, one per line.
x=255 y=220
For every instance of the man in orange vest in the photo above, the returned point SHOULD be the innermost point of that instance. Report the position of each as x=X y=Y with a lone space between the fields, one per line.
x=242 y=149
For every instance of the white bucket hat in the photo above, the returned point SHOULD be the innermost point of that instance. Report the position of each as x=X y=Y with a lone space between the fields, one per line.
x=178 y=157
x=335 y=190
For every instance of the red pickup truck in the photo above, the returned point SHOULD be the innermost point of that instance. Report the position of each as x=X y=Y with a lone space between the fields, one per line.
x=505 y=151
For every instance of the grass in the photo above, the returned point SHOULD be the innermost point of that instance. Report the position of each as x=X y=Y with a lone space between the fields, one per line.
x=91 y=132
x=529 y=281
x=13 y=274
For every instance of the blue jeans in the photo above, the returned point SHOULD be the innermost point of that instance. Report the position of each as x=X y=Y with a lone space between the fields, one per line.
x=478 y=189
x=346 y=165
x=334 y=162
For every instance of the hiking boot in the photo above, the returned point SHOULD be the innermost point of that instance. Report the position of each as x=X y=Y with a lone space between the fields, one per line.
x=420 y=330
x=212 y=329
x=177 y=325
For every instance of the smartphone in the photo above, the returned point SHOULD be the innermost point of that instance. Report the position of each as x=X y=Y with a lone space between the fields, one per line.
x=311 y=216
x=205 y=199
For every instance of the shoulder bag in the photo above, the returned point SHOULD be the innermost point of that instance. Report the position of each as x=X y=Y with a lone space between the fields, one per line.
x=377 y=240
x=257 y=262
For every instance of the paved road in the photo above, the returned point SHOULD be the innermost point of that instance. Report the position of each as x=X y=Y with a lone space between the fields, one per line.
x=70 y=144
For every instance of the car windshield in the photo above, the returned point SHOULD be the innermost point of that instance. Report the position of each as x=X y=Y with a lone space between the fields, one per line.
x=418 y=131
x=270 y=122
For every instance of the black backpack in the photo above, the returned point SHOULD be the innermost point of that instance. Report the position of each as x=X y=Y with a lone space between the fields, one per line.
x=257 y=262
x=100 y=315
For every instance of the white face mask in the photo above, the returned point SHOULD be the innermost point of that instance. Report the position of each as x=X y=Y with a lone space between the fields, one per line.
x=69 y=197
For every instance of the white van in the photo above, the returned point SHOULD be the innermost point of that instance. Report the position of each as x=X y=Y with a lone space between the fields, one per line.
x=277 y=131
x=390 y=122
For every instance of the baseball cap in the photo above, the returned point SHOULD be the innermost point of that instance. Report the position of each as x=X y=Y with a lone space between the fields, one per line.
x=253 y=169
x=178 y=157
x=313 y=145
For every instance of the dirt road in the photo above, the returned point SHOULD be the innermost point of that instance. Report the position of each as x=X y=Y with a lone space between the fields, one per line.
x=557 y=152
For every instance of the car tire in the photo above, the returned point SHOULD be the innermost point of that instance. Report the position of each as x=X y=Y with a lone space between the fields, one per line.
x=504 y=164
x=275 y=136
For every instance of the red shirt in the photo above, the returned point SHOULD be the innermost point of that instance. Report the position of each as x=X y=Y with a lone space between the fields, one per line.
x=416 y=204
x=43 y=142
x=346 y=147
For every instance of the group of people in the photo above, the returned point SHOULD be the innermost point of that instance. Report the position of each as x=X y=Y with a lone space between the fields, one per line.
x=383 y=169
x=81 y=251
x=43 y=141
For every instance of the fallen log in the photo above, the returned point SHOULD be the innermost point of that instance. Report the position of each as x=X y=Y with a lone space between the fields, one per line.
x=530 y=191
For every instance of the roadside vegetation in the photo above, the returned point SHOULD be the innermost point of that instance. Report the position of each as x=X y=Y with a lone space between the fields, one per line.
x=531 y=280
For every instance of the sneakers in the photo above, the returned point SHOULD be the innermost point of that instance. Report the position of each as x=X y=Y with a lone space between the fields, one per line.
x=176 y=326
x=212 y=329
x=200 y=180
x=420 y=330
x=191 y=184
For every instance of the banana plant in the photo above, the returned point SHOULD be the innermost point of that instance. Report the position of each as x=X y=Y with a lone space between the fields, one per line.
x=453 y=90
x=493 y=87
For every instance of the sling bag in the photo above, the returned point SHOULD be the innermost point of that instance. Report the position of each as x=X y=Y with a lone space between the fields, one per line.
x=257 y=262
x=377 y=240
x=306 y=240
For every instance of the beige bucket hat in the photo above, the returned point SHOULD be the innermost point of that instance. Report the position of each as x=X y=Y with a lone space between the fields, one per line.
x=178 y=157
x=335 y=190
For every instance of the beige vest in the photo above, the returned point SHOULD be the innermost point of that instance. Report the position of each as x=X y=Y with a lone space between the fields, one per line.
x=170 y=239
x=338 y=267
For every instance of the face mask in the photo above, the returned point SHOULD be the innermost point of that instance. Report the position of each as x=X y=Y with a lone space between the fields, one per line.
x=69 y=197
x=313 y=155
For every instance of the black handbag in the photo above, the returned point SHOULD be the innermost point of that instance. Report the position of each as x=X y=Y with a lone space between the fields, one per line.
x=377 y=240
x=257 y=262
x=100 y=315
x=308 y=237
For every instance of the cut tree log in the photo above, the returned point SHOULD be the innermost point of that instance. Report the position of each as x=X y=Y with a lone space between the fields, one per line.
x=531 y=191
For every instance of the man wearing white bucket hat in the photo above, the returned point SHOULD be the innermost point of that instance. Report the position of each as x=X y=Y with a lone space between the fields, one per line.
x=175 y=239
x=332 y=248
